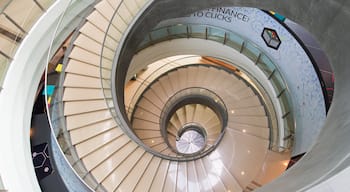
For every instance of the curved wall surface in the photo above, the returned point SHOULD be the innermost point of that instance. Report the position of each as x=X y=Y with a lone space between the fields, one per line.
x=327 y=20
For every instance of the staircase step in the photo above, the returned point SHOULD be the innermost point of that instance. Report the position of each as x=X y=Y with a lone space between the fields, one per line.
x=145 y=181
x=89 y=131
x=105 y=9
x=147 y=134
x=149 y=106
x=219 y=169
x=158 y=89
x=160 y=176
x=105 y=152
x=92 y=31
x=174 y=81
x=193 y=184
x=248 y=111
x=98 y=20
x=204 y=179
x=152 y=96
x=81 y=94
x=106 y=168
x=77 y=107
x=189 y=111
x=80 y=120
x=215 y=180
x=96 y=142
x=260 y=121
x=78 y=67
x=166 y=85
x=120 y=172
x=145 y=115
x=171 y=177
x=140 y=124
x=181 y=115
x=131 y=180
x=74 y=80
x=243 y=103
x=262 y=132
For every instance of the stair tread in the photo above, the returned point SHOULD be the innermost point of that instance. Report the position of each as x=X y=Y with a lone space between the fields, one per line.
x=74 y=80
x=97 y=157
x=96 y=142
x=145 y=182
x=105 y=168
x=89 y=131
x=118 y=175
x=76 y=107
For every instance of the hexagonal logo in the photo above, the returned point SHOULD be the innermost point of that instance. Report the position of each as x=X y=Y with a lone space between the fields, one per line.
x=41 y=160
x=38 y=159
x=271 y=38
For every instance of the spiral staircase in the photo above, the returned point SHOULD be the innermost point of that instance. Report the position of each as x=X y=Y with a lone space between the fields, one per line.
x=186 y=145
x=116 y=162
x=196 y=126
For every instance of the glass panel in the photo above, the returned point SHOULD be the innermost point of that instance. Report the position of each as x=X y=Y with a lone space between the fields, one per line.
x=144 y=43
x=289 y=124
x=234 y=41
x=284 y=103
x=216 y=34
x=197 y=31
x=160 y=34
x=179 y=30
x=266 y=65
x=288 y=131
x=277 y=82
x=251 y=51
